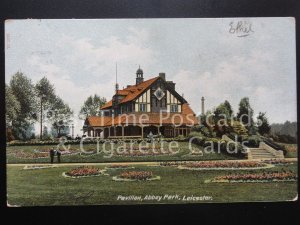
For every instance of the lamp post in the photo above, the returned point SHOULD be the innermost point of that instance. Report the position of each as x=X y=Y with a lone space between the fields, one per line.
x=72 y=131
x=41 y=129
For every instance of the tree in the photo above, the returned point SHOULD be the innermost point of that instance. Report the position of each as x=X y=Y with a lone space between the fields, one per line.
x=45 y=94
x=245 y=113
x=263 y=124
x=60 y=116
x=23 y=90
x=228 y=107
x=91 y=106
x=12 y=105
x=222 y=114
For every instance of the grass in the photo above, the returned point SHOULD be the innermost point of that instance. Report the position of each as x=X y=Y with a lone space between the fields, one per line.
x=49 y=187
x=183 y=154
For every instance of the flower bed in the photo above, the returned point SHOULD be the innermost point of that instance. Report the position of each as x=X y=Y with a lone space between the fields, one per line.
x=174 y=163
x=278 y=162
x=235 y=165
x=136 y=176
x=83 y=171
x=119 y=166
x=136 y=152
x=30 y=155
x=256 y=177
x=40 y=153
x=35 y=167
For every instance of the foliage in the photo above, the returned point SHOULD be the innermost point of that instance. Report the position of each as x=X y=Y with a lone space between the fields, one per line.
x=284 y=138
x=245 y=113
x=12 y=105
x=286 y=130
x=228 y=107
x=263 y=124
x=91 y=106
x=22 y=89
x=239 y=128
x=252 y=141
x=60 y=117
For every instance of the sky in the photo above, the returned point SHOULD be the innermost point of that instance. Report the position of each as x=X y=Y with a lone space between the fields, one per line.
x=204 y=57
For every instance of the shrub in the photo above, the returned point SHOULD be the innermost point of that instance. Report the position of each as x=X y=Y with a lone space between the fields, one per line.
x=252 y=141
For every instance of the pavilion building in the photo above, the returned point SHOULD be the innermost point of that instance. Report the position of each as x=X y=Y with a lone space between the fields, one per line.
x=148 y=107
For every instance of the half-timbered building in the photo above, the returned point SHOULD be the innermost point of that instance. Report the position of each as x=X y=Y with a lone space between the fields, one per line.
x=150 y=107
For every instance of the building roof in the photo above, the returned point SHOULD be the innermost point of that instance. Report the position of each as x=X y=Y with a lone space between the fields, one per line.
x=131 y=92
x=186 y=109
x=98 y=121
x=186 y=117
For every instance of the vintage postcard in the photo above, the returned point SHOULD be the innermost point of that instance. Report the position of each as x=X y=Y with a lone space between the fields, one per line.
x=150 y=111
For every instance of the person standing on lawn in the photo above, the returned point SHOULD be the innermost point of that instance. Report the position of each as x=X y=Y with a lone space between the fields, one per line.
x=51 y=155
x=58 y=153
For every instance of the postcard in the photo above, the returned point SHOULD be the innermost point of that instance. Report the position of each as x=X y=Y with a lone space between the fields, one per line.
x=150 y=111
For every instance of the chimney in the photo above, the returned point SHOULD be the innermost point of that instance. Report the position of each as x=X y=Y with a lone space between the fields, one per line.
x=162 y=75
x=202 y=106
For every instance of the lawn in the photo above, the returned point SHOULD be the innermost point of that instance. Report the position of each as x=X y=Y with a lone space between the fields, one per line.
x=49 y=187
x=105 y=156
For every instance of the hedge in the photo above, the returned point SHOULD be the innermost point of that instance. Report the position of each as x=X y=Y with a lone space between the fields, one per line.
x=91 y=141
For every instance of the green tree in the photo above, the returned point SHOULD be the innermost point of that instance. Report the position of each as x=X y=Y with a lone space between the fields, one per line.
x=228 y=107
x=91 y=106
x=23 y=90
x=245 y=114
x=263 y=124
x=222 y=114
x=60 y=116
x=45 y=97
x=12 y=106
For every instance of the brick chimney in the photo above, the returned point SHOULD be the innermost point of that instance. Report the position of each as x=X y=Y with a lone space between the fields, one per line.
x=162 y=75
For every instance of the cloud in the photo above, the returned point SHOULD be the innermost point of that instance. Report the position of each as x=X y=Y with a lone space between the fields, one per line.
x=97 y=64
x=234 y=78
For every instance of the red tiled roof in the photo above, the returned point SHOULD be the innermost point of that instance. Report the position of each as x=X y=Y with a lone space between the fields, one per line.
x=132 y=92
x=155 y=118
x=185 y=109
x=99 y=121
x=107 y=105
x=144 y=118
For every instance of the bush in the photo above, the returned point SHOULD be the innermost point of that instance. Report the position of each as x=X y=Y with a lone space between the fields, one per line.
x=284 y=138
x=252 y=141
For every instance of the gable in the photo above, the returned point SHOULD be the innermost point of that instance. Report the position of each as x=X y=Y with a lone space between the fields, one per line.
x=174 y=96
x=138 y=92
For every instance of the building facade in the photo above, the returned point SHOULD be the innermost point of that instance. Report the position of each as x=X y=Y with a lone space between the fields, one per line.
x=151 y=107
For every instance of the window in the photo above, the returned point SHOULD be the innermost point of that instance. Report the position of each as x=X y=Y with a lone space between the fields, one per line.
x=174 y=108
x=143 y=107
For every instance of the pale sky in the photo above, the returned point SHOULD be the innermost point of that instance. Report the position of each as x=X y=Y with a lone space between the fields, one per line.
x=200 y=55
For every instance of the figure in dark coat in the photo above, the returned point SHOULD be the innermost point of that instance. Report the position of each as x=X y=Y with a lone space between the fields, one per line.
x=51 y=155
x=58 y=153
